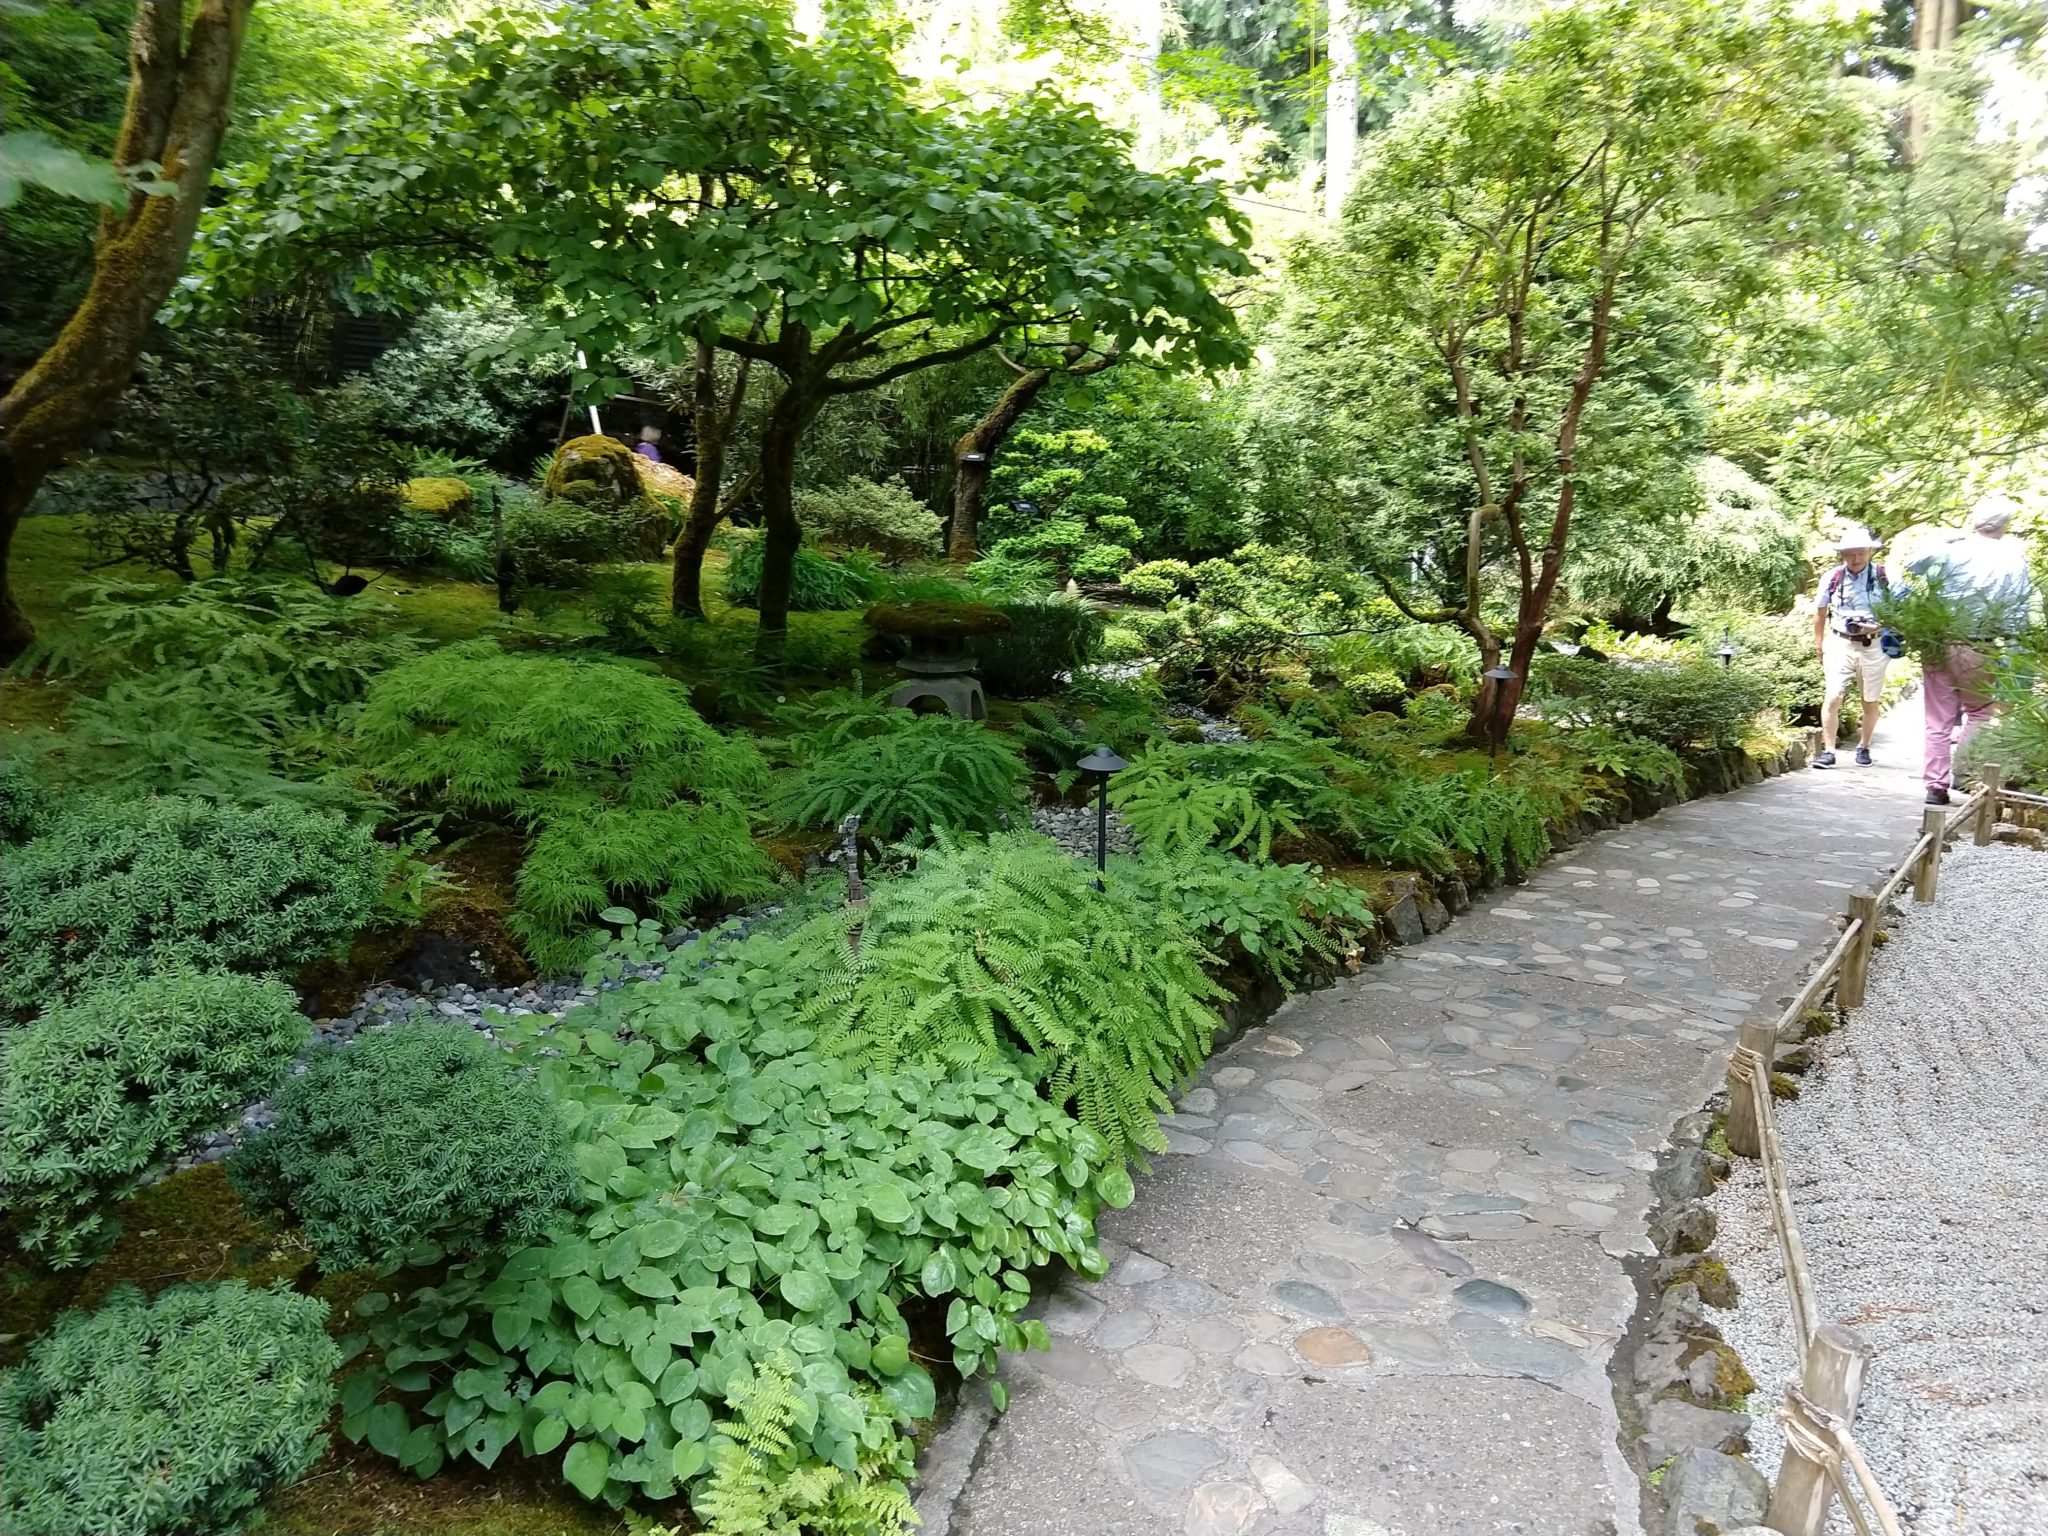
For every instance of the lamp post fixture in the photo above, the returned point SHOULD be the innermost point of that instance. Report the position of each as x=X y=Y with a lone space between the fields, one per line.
x=1101 y=763
x=1496 y=676
x=1727 y=652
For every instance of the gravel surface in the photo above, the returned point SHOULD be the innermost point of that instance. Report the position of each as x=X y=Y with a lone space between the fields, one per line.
x=1919 y=1169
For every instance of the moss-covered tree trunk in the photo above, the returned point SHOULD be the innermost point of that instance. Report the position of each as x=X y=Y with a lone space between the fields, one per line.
x=181 y=81
x=974 y=453
x=780 y=531
x=714 y=422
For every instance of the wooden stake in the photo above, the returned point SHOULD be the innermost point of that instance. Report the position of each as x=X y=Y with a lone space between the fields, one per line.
x=1856 y=964
x=1987 y=808
x=1832 y=1380
x=1757 y=1048
x=1933 y=828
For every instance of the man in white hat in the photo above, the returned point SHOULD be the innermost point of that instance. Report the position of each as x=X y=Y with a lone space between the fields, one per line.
x=1845 y=632
x=1984 y=574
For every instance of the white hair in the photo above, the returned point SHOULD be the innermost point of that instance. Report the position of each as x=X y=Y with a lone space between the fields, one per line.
x=1993 y=513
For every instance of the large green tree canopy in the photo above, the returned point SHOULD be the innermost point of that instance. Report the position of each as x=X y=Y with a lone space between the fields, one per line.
x=659 y=174
x=1506 y=336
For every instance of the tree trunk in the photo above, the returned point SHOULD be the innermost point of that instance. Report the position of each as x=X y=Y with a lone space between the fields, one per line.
x=176 y=114
x=714 y=423
x=1340 y=112
x=970 y=481
x=780 y=532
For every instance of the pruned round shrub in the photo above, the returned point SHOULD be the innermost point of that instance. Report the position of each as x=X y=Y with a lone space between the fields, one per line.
x=879 y=515
x=99 y=1091
x=555 y=543
x=118 y=888
x=169 y=1417
x=421 y=1134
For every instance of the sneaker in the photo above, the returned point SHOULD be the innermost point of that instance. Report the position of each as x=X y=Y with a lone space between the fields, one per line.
x=1824 y=760
x=1863 y=757
x=1936 y=795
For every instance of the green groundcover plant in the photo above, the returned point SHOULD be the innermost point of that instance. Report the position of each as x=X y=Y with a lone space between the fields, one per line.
x=118 y=888
x=99 y=1091
x=422 y=1133
x=169 y=1417
x=749 y=1196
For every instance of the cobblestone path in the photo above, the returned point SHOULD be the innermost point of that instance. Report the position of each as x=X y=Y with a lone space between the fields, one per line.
x=1373 y=1289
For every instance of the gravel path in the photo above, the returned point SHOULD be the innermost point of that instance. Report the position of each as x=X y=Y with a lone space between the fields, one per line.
x=1919 y=1159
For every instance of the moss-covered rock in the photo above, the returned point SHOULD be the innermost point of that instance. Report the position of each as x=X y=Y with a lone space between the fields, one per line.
x=441 y=496
x=663 y=480
x=935 y=620
x=602 y=474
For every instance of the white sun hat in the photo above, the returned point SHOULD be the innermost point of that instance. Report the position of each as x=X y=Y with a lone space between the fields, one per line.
x=1856 y=536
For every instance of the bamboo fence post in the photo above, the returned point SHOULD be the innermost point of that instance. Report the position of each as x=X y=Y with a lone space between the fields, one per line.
x=1987 y=808
x=1856 y=964
x=1934 y=828
x=1833 y=1381
x=1755 y=1050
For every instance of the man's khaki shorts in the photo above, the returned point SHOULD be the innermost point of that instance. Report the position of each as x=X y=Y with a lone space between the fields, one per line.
x=1842 y=659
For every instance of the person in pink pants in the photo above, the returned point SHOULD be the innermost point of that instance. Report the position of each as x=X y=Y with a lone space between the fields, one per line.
x=1957 y=696
x=1984 y=574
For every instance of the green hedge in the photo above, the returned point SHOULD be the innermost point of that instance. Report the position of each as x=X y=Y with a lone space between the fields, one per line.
x=164 y=1418
x=99 y=1091
x=1680 y=704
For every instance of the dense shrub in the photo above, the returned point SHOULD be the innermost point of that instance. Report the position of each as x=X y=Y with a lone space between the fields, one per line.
x=117 y=888
x=1680 y=704
x=818 y=582
x=25 y=804
x=169 y=1417
x=903 y=774
x=1046 y=642
x=627 y=794
x=555 y=543
x=99 y=1091
x=1004 y=951
x=748 y=1195
x=1236 y=795
x=430 y=388
x=422 y=1134
x=882 y=516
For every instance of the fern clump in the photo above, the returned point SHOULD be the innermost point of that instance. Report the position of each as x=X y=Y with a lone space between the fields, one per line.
x=99 y=1091
x=905 y=775
x=421 y=1134
x=626 y=794
x=762 y=1485
x=1005 y=950
x=119 y=888
x=1283 y=917
x=1237 y=795
x=172 y=1415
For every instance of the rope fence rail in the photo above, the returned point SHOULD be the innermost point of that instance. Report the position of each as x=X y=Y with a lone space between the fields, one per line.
x=1822 y=1462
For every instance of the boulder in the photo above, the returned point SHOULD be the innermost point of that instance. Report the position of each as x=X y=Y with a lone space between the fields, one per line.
x=664 y=481
x=600 y=473
x=1403 y=921
x=1707 y=1491
x=1671 y=1428
x=441 y=496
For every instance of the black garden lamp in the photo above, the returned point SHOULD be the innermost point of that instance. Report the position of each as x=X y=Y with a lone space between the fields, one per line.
x=1727 y=652
x=1024 y=508
x=973 y=460
x=1566 y=647
x=1496 y=676
x=1101 y=763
